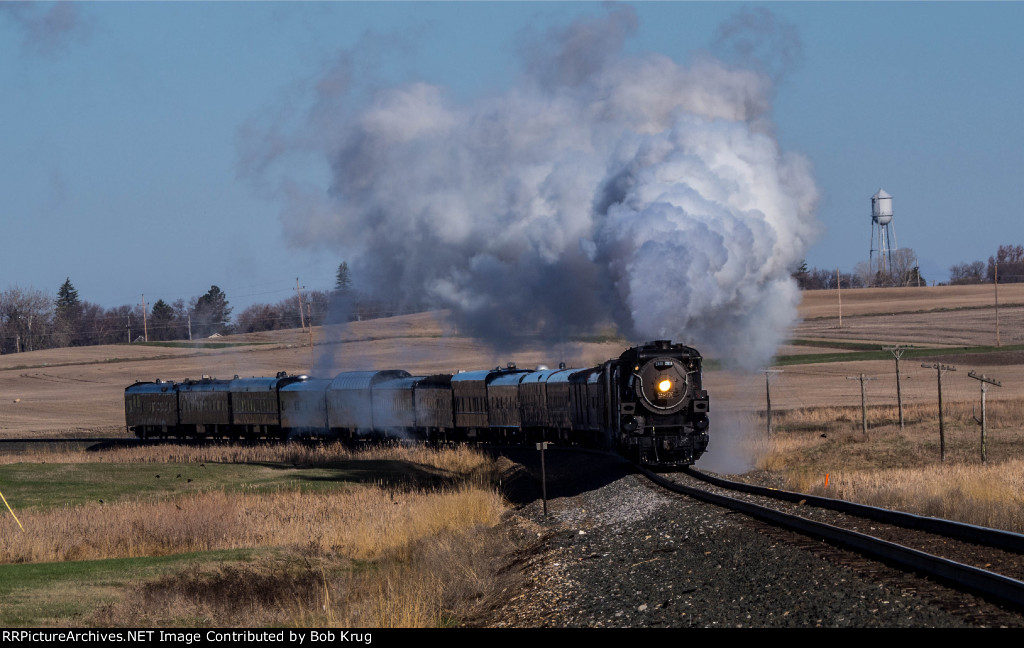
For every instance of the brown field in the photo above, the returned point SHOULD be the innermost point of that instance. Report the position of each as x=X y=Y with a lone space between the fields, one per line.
x=965 y=327
x=940 y=315
x=873 y=301
x=954 y=315
x=79 y=391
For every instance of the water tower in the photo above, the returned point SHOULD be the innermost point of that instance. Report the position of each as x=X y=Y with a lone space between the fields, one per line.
x=881 y=222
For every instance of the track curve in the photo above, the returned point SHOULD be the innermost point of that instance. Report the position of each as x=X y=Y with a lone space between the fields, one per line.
x=1003 y=586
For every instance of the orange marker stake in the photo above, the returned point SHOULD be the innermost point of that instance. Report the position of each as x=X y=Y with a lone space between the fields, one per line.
x=826 y=480
x=12 y=511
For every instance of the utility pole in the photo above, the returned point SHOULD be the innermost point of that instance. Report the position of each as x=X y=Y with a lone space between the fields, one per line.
x=863 y=401
x=129 y=316
x=302 y=322
x=897 y=352
x=309 y=318
x=145 y=327
x=542 y=446
x=839 y=294
x=985 y=381
x=939 y=368
x=996 y=284
x=768 y=395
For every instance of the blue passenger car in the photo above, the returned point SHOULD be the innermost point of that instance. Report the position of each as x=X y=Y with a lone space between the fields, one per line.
x=204 y=407
x=151 y=409
x=304 y=408
x=350 y=400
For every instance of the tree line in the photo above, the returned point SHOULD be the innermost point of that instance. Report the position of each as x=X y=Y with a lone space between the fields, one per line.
x=903 y=270
x=1008 y=263
x=31 y=319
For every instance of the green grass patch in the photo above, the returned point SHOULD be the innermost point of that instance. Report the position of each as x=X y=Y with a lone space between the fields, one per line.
x=923 y=353
x=59 y=594
x=837 y=344
x=51 y=485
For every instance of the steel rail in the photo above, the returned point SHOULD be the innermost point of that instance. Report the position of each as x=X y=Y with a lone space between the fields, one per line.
x=81 y=440
x=980 y=581
x=1006 y=540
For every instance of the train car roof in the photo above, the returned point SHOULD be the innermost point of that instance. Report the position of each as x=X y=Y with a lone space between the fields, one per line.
x=480 y=374
x=309 y=384
x=542 y=376
x=253 y=384
x=205 y=385
x=508 y=379
x=488 y=375
x=405 y=382
x=365 y=379
x=562 y=375
x=158 y=387
x=436 y=381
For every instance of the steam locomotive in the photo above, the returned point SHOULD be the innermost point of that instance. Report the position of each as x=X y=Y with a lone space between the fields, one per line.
x=648 y=404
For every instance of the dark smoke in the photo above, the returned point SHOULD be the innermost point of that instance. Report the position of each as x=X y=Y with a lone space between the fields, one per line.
x=757 y=39
x=599 y=188
x=47 y=28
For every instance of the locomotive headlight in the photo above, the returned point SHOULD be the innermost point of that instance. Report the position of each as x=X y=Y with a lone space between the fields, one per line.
x=664 y=385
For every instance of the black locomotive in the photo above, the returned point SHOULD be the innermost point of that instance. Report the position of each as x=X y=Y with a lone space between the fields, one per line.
x=648 y=404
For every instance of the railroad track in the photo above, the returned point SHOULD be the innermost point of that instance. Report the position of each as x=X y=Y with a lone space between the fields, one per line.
x=983 y=561
x=126 y=442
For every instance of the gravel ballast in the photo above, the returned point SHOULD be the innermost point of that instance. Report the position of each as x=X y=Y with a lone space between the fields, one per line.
x=617 y=551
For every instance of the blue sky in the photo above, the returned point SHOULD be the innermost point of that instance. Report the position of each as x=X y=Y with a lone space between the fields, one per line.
x=128 y=131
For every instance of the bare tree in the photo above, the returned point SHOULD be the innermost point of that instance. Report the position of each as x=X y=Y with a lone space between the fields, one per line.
x=26 y=319
x=967 y=273
x=1011 y=264
x=904 y=270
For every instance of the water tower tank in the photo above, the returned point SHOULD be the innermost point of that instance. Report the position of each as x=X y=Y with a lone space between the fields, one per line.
x=881 y=207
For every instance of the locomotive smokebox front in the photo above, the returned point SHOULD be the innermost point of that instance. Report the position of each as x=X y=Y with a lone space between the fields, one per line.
x=662 y=405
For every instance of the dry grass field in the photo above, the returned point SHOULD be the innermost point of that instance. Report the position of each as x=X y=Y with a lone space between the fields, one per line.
x=819 y=304
x=79 y=392
x=817 y=406
x=249 y=536
x=816 y=403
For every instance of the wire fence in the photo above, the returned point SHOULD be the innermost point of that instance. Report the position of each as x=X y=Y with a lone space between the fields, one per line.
x=832 y=394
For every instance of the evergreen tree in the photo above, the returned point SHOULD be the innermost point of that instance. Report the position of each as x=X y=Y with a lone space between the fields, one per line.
x=211 y=313
x=67 y=301
x=342 y=281
x=162 y=321
x=67 y=316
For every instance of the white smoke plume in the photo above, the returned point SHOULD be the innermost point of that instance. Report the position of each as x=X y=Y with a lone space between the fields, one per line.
x=601 y=187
